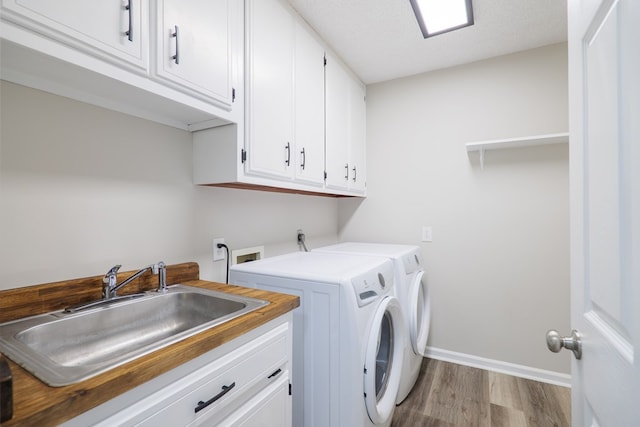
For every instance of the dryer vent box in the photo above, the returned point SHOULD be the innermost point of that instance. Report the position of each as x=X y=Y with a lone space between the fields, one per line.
x=240 y=256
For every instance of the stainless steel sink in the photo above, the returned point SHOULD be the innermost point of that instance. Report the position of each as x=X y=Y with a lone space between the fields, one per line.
x=63 y=348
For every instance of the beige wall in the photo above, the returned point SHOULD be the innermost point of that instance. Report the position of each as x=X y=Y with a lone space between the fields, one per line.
x=83 y=188
x=498 y=265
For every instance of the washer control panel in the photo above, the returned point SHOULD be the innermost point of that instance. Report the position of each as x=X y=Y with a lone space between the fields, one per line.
x=373 y=284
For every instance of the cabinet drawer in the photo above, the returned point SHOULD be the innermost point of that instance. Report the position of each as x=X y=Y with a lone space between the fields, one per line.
x=227 y=384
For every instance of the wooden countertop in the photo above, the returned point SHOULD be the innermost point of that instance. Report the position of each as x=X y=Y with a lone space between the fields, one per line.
x=35 y=403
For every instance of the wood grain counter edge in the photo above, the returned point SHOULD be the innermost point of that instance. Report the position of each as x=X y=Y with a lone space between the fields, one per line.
x=35 y=403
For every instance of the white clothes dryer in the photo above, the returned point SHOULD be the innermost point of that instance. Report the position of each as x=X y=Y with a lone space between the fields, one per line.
x=413 y=294
x=348 y=338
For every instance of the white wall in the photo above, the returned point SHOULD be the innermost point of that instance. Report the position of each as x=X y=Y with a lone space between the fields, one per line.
x=83 y=188
x=498 y=266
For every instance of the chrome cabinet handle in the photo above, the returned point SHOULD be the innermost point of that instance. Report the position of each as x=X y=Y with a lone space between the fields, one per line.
x=288 y=148
x=129 y=33
x=225 y=389
x=555 y=342
x=346 y=171
x=176 y=34
x=354 y=174
x=304 y=159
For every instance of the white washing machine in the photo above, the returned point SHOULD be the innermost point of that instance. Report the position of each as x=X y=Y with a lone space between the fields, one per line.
x=348 y=338
x=413 y=294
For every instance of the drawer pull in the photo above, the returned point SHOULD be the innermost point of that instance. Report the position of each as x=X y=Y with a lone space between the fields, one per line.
x=129 y=32
x=274 y=374
x=225 y=389
x=176 y=35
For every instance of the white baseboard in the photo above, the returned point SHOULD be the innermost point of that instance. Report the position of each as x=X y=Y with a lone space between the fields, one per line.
x=521 y=371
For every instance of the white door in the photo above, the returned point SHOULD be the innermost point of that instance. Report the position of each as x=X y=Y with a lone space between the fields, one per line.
x=604 y=99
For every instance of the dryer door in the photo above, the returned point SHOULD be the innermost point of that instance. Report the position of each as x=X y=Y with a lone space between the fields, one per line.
x=419 y=313
x=383 y=360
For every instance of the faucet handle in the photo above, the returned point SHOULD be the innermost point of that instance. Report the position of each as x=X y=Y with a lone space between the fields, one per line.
x=111 y=274
x=161 y=269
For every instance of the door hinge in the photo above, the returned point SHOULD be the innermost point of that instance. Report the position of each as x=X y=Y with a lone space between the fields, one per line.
x=289 y=389
x=243 y=156
x=233 y=94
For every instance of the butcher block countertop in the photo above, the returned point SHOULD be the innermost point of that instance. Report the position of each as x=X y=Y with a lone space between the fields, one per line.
x=36 y=404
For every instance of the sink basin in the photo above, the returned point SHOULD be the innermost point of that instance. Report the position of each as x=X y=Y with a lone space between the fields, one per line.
x=63 y=348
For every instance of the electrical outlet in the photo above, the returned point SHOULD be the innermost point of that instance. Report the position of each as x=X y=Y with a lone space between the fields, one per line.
x=219 y=253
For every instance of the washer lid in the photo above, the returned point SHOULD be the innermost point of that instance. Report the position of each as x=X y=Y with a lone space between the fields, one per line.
x=383 y=360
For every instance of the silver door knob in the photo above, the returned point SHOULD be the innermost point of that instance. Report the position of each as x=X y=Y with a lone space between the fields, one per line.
x=555 y=342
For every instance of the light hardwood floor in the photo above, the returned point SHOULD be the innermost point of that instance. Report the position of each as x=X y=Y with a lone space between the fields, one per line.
x=450 y=395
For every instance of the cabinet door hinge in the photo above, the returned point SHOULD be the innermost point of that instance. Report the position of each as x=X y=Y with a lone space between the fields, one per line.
x=289 y=389
x=325 y=60
x=233 y=94
x=243 y=156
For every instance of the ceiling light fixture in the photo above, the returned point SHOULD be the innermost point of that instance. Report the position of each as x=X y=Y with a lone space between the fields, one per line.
x=441 y=16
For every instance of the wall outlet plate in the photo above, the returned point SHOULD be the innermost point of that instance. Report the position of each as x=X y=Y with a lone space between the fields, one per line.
x=219 y=253
x=427 y=233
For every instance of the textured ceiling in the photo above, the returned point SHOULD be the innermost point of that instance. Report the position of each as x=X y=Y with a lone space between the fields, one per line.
x=380 y=39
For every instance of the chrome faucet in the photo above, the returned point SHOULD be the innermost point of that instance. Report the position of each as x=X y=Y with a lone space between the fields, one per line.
x=110 y=286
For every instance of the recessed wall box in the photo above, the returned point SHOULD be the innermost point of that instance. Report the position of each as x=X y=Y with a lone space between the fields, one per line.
x=240 y=256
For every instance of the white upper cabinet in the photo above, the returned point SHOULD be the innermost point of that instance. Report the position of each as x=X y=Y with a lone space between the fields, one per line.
x=176 y=62
x=345 y=129
x=193 y=47
x=285 y=104
x=297 y=128
x=309 y=107
x=270 y=67
x=114 y=30
x=358 y=137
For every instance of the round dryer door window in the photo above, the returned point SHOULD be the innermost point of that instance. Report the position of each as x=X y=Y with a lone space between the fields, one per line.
x=383 y=363
x=420 y=316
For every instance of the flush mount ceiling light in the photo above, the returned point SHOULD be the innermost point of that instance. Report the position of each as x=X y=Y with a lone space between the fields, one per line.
x=441 y=16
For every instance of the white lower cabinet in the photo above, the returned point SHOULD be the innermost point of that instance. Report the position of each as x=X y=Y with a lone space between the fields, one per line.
x=270 y=408
x=244 y=382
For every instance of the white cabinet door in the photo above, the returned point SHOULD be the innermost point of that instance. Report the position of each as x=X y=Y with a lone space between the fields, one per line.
x=194 y=47
x=115 y=30
x=271 y=407
x=358 y=137
x=269 y=113
x=309 y=107
x=337 y=125
x=345 y=129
